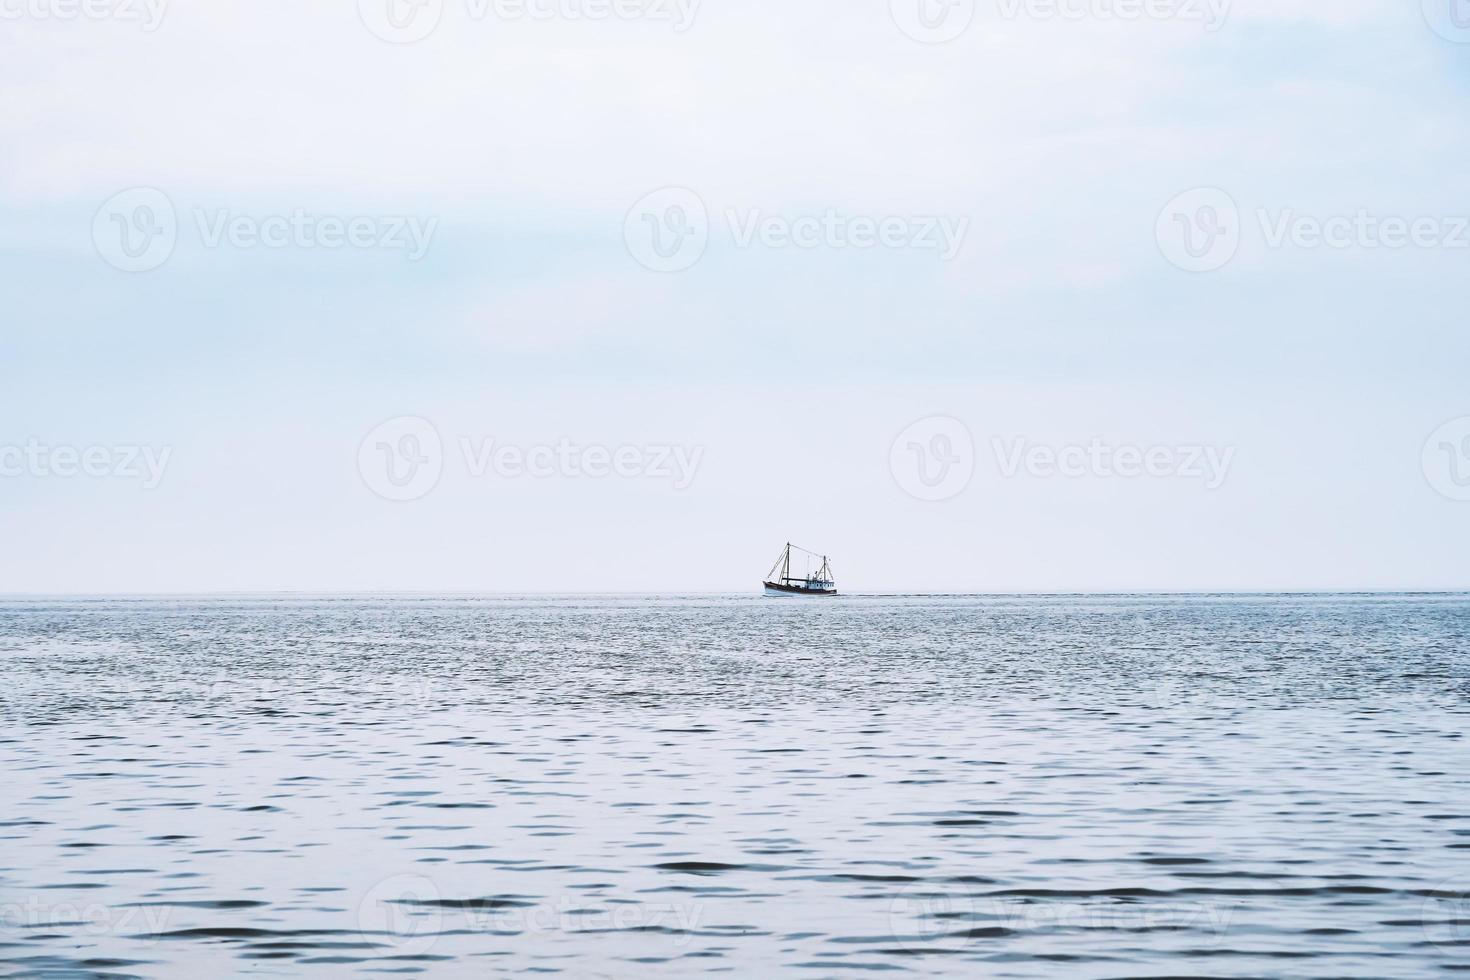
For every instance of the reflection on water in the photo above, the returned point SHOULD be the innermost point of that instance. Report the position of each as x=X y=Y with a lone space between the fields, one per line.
x=631 y=786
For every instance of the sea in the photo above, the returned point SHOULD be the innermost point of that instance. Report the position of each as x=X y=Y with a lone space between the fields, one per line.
x=642 y=786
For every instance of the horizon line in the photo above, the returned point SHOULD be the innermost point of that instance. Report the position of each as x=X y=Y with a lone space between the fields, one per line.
x=458 y=593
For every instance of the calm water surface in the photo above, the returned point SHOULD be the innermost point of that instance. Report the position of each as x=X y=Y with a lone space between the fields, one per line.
x=1109 y=787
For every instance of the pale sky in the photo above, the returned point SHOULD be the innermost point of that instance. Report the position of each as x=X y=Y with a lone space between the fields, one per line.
x=998 y=296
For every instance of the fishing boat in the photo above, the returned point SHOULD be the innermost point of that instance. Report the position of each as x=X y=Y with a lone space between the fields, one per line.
x=816 y=583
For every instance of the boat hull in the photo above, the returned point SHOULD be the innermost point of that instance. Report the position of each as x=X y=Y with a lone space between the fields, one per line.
x=793 y=591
